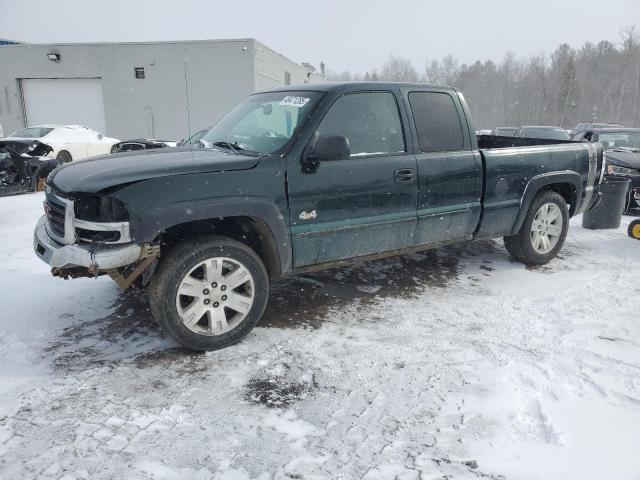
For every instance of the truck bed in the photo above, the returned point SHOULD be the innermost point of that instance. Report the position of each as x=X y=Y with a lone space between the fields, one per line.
x=510 y=163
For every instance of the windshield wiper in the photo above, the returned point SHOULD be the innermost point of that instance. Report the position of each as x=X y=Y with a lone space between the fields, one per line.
x=228 y=145
x=234 y=147
x=222 y=144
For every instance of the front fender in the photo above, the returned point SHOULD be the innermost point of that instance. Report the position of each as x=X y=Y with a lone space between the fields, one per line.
x=145 y=229
x=542 y=181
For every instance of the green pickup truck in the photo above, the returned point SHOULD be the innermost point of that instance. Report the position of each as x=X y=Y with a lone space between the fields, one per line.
x=303 y=178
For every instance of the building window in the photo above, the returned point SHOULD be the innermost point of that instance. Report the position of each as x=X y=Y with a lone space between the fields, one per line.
x=287 y=78
x=139 y=72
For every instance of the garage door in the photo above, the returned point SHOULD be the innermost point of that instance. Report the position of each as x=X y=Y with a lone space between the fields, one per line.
x=75 y=101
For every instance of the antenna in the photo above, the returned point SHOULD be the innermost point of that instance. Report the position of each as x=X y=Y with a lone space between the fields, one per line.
x=186 y=91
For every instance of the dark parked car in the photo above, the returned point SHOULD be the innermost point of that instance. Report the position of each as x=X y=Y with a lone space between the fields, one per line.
x=23 y=167
x=504 y=131
x=542 y=132
x=302 y=178
x=583 y=127
x=141 y=144
x=622 y=156
x=32 y=148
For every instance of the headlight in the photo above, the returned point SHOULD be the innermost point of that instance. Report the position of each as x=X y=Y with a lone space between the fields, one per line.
x=616 y=170
x=102 y=208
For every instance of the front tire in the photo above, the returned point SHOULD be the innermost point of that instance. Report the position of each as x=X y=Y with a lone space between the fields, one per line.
x=209 y=293
x=543 y=231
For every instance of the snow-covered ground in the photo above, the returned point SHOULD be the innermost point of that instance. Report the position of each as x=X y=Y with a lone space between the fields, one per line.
x=459 y=365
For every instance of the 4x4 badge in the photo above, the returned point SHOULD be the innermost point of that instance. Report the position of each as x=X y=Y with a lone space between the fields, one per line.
x=308 y=215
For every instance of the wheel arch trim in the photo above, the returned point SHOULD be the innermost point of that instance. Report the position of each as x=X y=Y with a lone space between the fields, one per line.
x=542 y=182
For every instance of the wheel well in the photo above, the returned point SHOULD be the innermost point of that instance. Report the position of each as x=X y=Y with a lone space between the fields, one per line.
x=253 y=232
x=566 y=191
x=64 y=151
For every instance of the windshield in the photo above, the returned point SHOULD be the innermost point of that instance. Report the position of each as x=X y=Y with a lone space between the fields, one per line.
x=547 y=133
x=620 y=139
x=263 y=123
x=31 y=132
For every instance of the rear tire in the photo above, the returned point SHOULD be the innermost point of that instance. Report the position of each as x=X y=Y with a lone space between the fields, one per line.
x=199 y=302
x=64 y=156
x=543 y=231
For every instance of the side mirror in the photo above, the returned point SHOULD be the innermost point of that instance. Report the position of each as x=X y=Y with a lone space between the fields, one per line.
x=328 y=148
x=100 y=136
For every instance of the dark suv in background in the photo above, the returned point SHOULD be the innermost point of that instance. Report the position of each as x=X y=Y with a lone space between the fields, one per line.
x=622 y=156
x=583 y=127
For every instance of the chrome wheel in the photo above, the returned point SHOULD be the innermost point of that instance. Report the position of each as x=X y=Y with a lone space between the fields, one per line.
x=546 y=228
x=215 y=296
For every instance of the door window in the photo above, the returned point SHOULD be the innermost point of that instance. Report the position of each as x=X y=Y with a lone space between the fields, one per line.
x=437 y=122
x=369 y=120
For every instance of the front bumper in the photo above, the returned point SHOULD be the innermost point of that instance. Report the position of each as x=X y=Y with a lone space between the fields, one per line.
x=58 y=255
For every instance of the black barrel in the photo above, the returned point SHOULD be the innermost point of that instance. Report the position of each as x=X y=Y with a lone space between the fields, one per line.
x=607 y=210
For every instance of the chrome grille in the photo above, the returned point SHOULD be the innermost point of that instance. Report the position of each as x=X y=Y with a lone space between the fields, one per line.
x=56 y=212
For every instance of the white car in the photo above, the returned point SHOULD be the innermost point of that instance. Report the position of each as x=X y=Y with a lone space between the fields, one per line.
x=69 y=142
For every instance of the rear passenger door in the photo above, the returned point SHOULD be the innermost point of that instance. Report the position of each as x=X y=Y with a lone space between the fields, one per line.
x=362 y=205
x=449 y=168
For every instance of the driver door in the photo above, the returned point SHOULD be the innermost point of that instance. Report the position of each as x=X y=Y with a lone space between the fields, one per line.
x=361 y=205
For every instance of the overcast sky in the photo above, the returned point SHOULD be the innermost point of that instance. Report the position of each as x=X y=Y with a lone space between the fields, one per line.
x=353 y=35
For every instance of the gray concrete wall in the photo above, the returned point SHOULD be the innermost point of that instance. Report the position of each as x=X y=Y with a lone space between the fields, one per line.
x=218 y=75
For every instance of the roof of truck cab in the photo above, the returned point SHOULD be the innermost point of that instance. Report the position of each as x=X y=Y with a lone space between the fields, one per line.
x=331 y=86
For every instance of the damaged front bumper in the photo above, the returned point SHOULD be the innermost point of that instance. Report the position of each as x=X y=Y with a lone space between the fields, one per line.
x=105 y=257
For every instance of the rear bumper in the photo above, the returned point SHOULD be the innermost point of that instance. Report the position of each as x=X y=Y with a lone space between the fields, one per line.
x=58 y=255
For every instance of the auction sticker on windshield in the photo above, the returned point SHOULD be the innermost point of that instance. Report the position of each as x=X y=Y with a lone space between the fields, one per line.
x=295 y=101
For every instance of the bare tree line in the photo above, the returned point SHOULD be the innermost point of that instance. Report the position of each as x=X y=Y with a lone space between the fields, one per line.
x=594 y=83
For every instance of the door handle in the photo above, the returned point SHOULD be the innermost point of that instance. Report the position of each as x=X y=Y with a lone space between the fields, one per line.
x=404 y=175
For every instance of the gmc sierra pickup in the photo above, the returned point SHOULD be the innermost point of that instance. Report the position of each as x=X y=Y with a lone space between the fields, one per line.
x=302 y=178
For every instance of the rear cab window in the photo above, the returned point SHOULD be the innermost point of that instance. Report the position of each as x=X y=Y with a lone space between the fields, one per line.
x=437 y=122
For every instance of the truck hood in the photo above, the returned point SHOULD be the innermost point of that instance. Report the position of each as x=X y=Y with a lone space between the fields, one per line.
x=624 y=157
x=98 y=173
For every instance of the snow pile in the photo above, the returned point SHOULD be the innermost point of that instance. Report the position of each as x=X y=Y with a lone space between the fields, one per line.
x=460 y=364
